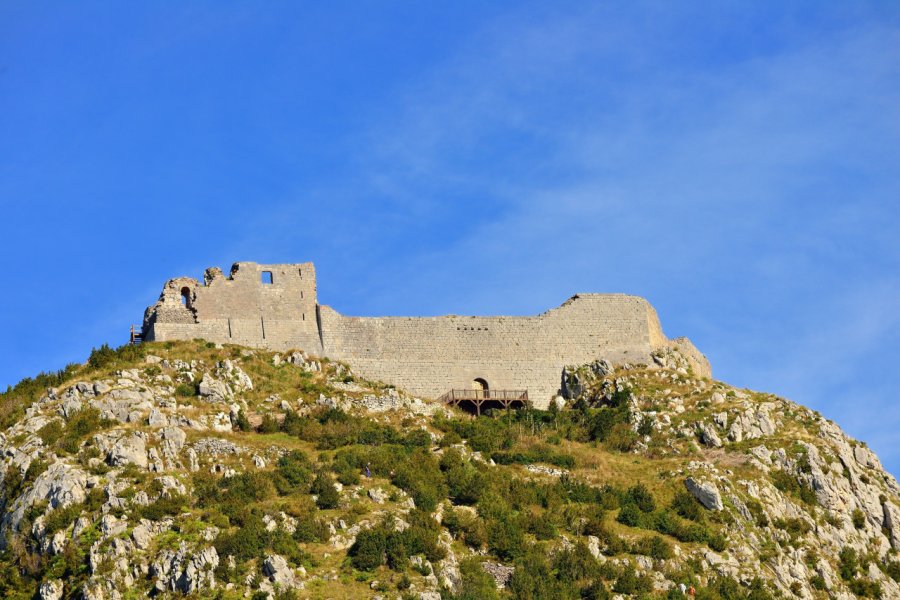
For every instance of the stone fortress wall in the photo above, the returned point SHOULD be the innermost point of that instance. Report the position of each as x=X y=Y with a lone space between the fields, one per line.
x=426 y=356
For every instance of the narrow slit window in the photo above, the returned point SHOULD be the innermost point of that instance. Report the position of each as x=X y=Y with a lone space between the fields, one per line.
x=300 y=272
x=267 y=278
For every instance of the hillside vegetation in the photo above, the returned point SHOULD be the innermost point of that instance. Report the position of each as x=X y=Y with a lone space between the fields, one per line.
x=195 y=470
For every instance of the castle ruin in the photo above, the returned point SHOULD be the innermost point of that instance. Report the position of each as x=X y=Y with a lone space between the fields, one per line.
x=276 y=307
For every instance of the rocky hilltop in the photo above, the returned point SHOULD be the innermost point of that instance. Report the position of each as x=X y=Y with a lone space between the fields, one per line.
x=188 y=469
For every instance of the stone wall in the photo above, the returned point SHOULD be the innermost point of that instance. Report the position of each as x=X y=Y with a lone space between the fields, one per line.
x=424 y=355
x=240 y=309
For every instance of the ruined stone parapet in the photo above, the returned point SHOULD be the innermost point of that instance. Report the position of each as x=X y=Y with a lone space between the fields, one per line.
x=276 y=307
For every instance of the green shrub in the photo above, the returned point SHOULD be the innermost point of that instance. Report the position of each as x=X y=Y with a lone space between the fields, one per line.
x=185 y=389
x=717 y=542
x=50 y=432
x=575 y=564
x=235 y=495
x=597 y=591
x=465 y=483
x=541 y=527
x=104 y=356
x=269 y=424
x=82 y=424
x=629 y=582
x=685 y=505
x=866 y=588
x=795 y=527
x=654 y=547
x=164 y=506
x=327 y=496
x=60 y=518
x=534 y=579
x=727 y=588
x=14 y=400
x=756 y=509
x=310 y=529
x=505 y=538
x=465 y=526
x=475 y=583
x=611 y=543
x=642 y=498
x=622 y=438
x=293 y=473
x=368 y=551
x=848 y=563
x=484 y=434
x=247 y=542
x=417 y=438
x=420 y=476
x=792 y=485
x=892 y=569
x=645 y=427
x=604 y=420
x=630 y=515
x=404 y=583
x=85 y=422
x=859 y=518
x=242 y=422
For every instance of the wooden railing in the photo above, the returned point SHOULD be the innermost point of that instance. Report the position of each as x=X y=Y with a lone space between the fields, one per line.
x=473 y=394
x=477 y=398
x=136 y=336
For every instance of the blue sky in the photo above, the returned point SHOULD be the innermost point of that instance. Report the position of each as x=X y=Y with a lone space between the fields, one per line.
x=738 y=164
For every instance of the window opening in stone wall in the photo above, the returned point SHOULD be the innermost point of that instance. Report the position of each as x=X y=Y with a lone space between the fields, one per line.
x=304 y=316
x=186 y=296
x=300 y=272
x=301 y=294
x=267 y=278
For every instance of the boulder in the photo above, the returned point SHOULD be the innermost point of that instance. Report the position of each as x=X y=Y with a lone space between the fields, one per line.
x=500 y=573
x=173 y=440
x=378 y=495
x=892 y=523
x=708 y=435
x=142 y=536
x=280 y=573
x=180 y=571
x=752 y=424
x=128 y=450
x=221 y=422
x=229 y=371
x=705 y=492
x=214 y=390
x=61 y=485
x=51 y=590
x=157 y=418
x=593 y=545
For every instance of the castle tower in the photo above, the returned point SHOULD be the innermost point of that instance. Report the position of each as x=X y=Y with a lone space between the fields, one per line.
x=270 y=306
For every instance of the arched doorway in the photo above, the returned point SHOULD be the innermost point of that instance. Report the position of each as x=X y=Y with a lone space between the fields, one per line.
x=481 y=387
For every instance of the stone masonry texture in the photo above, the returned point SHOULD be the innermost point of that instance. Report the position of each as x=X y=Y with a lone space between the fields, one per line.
x=276 y=307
